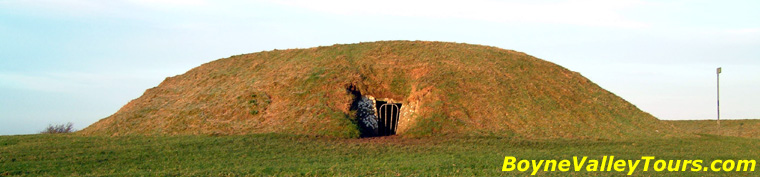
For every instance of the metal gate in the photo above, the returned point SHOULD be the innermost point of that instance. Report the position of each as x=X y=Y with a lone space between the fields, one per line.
x=388 y=115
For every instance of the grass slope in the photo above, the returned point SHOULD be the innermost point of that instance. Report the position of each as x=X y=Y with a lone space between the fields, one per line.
x=295 y=155
x=446 y=88
x=749 y=128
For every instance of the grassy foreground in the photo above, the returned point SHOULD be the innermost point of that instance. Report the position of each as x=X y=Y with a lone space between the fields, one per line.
x=748 y=128
x=291 y=155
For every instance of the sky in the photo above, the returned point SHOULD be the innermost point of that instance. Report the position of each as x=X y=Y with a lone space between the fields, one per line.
x=81 y=60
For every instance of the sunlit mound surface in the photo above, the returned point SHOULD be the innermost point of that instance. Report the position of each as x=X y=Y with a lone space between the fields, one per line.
x=445 y=88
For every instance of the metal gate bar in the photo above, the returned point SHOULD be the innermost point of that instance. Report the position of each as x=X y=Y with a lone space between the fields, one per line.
x=389 y=114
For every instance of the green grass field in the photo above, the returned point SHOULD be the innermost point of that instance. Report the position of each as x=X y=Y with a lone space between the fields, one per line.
x=292 y=155
x=749 y=128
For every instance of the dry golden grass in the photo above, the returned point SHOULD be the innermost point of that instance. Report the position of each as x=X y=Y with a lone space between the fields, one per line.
x=446 y=88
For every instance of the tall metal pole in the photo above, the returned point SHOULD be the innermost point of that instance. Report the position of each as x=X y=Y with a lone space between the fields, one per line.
x=718 y=76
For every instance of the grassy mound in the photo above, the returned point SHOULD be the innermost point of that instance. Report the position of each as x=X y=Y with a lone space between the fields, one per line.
x=445 y=88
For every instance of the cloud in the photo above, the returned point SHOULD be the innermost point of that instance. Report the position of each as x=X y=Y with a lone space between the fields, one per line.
x=169 y=3
x=67 y=7
x=597 y=13
x=74 y=81
x=744 y=31
x=29 y=82
x=80 y=8
x=581 y=12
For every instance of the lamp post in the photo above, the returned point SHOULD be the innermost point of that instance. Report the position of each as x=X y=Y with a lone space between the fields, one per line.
x=718 y=90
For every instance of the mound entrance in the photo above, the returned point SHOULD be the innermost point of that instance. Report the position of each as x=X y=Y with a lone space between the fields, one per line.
x=375 y=116
x=388 y=114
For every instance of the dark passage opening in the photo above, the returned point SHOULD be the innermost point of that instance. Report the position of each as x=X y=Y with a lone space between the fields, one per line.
x=374 y=117
x=388 y=115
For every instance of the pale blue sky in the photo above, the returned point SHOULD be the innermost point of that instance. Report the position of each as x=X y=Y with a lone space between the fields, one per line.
x=81 y=60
